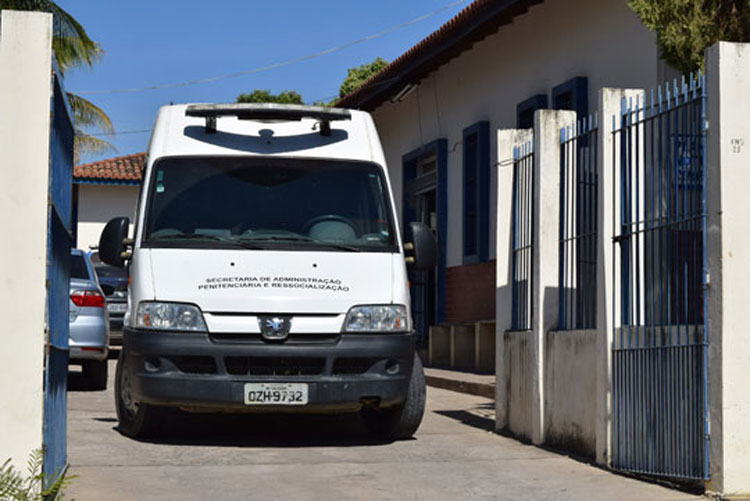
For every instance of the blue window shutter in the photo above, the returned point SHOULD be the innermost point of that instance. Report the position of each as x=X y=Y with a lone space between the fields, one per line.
x=471 y=196
x=525 y=110
x=572 y=95
x=441 y=147
x=484 y=190
x=476 y=189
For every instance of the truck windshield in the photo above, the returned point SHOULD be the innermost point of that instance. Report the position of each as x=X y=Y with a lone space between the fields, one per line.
x=268 y=203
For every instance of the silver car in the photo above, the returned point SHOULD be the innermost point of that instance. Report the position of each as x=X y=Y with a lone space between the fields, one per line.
x=89 y=321
x=114 y=283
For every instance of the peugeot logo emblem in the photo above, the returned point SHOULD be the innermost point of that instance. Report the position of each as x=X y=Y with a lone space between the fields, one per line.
x=274 y=328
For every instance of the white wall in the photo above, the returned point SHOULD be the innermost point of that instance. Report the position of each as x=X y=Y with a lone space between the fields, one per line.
x=25 y=77
x=504 y=355
x=728 y=253
x=97 y=204
x=552 y=43
x=570 y=359
x=519 y=362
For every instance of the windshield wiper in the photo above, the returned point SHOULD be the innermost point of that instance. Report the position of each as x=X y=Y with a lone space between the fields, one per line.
x=301 y=238
x=215 y=238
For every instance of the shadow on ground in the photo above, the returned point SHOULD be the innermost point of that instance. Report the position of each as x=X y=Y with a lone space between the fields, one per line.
x=479 y=418
x=76 y=381
x=265 y=430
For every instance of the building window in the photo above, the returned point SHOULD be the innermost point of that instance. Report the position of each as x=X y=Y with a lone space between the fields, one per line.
x=572 y=95
x=525 y=110
x=476 y=185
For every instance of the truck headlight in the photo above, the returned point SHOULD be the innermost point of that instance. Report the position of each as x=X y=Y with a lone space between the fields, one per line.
x=376 y=318
x=169 y=316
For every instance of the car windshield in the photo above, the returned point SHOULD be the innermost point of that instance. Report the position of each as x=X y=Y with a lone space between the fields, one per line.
x=78 y=267
x=107 y=273
x=268 y=203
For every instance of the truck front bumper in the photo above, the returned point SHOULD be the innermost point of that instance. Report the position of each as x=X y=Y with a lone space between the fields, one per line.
x=197 y=372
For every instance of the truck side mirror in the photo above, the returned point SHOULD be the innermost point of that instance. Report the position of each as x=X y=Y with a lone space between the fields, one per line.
x=112 y=246
x=423 y=246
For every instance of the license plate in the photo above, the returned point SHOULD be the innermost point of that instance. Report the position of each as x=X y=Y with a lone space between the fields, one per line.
x=117 y=307
x=275 y=394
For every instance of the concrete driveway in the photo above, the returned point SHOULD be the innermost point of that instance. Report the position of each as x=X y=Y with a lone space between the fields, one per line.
x=454 y=456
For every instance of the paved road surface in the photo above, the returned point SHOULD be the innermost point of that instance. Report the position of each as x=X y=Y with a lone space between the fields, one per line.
x=454 y=456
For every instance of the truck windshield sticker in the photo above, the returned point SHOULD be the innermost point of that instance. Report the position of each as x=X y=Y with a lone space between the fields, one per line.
x=278 y=282
x=160 y=181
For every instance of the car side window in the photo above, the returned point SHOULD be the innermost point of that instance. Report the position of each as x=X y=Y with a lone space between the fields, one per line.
x=78 y=268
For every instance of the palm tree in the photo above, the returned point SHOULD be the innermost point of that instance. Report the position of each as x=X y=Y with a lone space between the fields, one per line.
x=73 y=47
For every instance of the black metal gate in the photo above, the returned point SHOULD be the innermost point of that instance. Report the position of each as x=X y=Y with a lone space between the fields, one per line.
x=659 y=340
x=523 y=236
x=579 y=182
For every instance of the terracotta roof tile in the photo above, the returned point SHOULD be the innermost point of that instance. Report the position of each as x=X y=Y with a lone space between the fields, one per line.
x=126 y=169
x=478 y=20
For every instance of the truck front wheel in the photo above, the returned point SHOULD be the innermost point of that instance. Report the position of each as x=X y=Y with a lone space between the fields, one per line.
x=137 y=420
x=401 y=421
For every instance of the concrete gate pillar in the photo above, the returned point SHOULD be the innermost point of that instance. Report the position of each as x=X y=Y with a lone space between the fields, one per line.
x=546 y=252
x=728 y=266
x=526 y=402
x=25 y=83
x=506 y=141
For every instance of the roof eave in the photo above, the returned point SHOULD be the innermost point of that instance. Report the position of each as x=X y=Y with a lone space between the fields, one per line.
x=493 y=15
x=91 y=180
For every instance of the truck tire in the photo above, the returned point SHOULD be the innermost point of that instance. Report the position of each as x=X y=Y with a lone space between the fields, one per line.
x=136 y=420
x=95 y=373
x=402 y=421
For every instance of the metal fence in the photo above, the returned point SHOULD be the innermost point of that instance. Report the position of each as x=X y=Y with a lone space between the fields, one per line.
x=523 y=241
x=659 y=349
x=59 y=241
x=578 y=218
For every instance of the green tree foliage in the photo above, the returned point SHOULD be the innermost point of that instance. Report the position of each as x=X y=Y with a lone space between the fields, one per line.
x=354 y=78
x=685 y=28
x=73 y=47
x=86 y=114
x=265 y=96
x=71 y=44
x=359 y=75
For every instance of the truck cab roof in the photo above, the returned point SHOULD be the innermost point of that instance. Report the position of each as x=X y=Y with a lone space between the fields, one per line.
x=234 y=130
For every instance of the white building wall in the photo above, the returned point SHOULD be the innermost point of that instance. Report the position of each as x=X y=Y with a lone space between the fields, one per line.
x=25 y=86
x=550 y=44
x=97 y=204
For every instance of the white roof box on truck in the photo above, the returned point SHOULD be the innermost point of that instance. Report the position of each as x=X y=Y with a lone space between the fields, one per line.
x=265 y=129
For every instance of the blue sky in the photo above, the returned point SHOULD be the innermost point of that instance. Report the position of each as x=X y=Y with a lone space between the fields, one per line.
x=152 y=42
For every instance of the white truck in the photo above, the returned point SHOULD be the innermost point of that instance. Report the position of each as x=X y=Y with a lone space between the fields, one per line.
x=267 y=271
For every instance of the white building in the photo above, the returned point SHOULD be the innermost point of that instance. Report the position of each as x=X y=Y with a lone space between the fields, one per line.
x=449 y=111
x=103 y=190
x=489 y=68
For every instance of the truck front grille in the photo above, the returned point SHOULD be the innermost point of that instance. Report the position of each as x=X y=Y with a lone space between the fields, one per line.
x=241 y=338
x=275 y=366
x=194 y=364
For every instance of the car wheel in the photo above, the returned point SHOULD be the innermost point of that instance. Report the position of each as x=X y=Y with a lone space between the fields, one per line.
x=135 y=419
x=401 y=421
x=95 y=372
